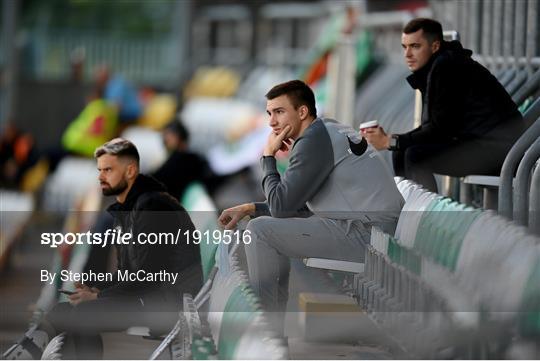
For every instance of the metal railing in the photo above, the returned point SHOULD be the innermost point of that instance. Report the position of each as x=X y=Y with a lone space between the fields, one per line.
x=501 y=33
x=152 y=60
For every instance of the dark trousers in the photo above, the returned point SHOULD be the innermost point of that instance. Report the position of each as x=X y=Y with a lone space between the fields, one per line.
x=458 y=158
x=84 y=323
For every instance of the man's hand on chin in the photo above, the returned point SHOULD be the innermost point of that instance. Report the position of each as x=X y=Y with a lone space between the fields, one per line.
x=277 y=142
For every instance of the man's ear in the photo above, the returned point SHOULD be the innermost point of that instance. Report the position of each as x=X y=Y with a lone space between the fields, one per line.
x=303 y=111
x=132 y=170
x=435 y=46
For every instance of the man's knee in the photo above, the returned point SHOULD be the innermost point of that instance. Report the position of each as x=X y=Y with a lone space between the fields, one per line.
x=415 y=155
x=419 y=160
x=259 y=227
x=261 y=230
x=61 y=307
x=60 y=312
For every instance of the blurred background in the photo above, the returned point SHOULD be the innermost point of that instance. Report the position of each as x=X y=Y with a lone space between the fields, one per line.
x=52 y=50
x=76 y=73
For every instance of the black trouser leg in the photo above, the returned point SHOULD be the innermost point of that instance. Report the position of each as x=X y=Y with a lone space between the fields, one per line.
x=458 y=159
x=398 y=161
x=404 y=167
x=88 y=347
x=85 y=322
x=482 y=155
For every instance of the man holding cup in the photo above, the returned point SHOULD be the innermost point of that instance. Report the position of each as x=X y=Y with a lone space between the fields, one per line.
x=469 y=122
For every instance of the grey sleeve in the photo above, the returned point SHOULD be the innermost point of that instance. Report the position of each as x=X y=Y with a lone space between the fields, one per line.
x=311 y=162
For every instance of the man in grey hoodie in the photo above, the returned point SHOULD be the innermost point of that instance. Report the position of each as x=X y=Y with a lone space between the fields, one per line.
x=335 y=188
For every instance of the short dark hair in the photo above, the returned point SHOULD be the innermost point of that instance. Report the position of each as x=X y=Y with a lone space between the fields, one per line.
x=179 y=129
x=298 y=93
x=120 y=148
x=432 y=28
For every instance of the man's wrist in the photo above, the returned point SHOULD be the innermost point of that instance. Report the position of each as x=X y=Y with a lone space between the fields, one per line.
x=393 y=142
x=250 y=208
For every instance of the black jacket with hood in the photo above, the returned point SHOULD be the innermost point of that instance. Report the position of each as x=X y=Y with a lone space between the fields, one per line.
x=460 y=99
x=149 y=209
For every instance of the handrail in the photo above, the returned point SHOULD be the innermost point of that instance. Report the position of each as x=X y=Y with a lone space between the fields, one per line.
x=527 y=89
x=513 y=158
x=534 y=202
x=521 y=191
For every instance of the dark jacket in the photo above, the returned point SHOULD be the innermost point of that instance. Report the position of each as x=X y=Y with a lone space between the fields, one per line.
x=183 y=168
x=149 y=209
x=460 y=99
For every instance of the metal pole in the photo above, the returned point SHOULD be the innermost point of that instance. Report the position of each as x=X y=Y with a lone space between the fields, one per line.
x=486 y=28
x=181 y=28
x=521 y=190
x=511 y=163
x=532 y=32
x=341 y=81
x=463 y=27
x=8 y=84
x=474 y=25
x=497 y=30
x=508 y=30
x=519 y=37
x=534 y=202
x=457 y=7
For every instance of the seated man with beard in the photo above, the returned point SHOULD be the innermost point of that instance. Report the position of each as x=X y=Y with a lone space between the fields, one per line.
x=146 y=289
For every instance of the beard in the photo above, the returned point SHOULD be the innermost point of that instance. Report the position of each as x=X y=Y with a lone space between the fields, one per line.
x=116 y=190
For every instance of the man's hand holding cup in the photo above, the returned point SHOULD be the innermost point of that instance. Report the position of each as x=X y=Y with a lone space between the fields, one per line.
x=375 y=135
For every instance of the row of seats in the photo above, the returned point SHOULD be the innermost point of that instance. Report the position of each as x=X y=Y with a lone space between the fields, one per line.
x=453 y=281
x=237 y=321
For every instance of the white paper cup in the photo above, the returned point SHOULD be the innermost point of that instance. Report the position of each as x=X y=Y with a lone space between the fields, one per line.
x=371 y=124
